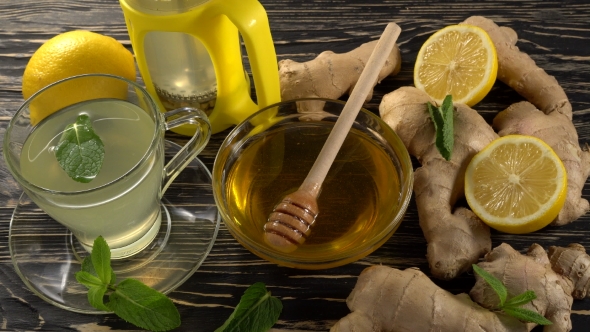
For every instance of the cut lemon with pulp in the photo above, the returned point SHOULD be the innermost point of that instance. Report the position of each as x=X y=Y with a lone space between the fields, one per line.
x=517 y=184
x=458 y=60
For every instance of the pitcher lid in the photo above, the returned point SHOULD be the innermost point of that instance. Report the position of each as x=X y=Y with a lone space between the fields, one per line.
x=166 y=6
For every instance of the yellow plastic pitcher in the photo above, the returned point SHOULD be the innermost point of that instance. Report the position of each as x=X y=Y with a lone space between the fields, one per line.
x=183 y=28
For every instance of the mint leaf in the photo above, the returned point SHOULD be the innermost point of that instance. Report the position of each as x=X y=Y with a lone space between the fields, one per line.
x=527 y=315
x=88 y=267
x=96 y=289
x=96 y=297
x=521 y=299
x=442 y=117
x=131 y=300
x=496 y=284
x=257 y=311
x=101 y=260
x=143 y=306
x=88 y=280
x=80 y=152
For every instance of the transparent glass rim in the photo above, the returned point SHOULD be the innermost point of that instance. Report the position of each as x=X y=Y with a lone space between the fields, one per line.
x=155 y=140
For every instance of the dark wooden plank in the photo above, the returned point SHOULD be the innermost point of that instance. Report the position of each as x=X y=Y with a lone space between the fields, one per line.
x=555 y=33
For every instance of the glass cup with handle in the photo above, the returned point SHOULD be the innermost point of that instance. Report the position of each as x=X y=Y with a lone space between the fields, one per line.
x=122 y=202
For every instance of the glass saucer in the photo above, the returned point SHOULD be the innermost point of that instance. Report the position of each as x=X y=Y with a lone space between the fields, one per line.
x=47 y=256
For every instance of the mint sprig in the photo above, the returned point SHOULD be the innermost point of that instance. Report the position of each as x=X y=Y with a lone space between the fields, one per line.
x=442 y=117
x=513 y=305
x=130 y=299
x=80 y=152
x=257 y=311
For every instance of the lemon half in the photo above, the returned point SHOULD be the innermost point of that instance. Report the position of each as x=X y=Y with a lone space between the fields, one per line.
x=517 y=184
x=459 y=60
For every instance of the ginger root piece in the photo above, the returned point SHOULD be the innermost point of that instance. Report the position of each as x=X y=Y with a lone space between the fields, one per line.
x=520 y=273
x=389 y=300
x=456 y=239
x=520 y=72
x=574 y=263
x=330 y=75
x=553 y=124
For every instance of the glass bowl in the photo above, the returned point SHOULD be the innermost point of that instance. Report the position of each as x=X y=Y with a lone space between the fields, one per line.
x=363 y=198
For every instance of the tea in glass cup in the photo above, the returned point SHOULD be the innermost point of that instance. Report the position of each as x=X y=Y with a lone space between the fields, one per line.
x=122 y=201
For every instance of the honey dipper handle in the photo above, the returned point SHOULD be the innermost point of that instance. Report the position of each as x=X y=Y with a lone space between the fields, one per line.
x=366 y=82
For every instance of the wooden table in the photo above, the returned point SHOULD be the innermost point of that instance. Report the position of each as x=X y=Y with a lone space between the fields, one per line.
x=556 y=34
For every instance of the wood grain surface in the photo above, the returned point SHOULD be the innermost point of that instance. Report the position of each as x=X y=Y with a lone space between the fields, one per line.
x=555 y=33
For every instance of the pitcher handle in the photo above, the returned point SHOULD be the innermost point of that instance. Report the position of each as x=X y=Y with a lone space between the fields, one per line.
x=179 y=117
x=252 y=22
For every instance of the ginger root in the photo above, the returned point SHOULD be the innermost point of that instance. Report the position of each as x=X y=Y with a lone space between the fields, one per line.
x=386 y=299
x=330 y=75
x=520 y=72
x=574 y=263
x=456 y=237
x=452 y=245
x=520 y=273
x=552 y=124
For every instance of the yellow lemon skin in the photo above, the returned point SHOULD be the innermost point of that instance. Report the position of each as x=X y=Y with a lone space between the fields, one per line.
x=517 y=184
x=459 y=60
x=75 y=53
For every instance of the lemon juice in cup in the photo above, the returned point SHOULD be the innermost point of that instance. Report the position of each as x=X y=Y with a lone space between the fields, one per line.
x=121 y=200
x=125 y=130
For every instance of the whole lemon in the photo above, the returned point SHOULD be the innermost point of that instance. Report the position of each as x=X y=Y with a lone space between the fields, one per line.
x=74 y=53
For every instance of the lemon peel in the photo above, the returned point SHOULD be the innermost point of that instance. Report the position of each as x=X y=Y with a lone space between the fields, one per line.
x=75 y=53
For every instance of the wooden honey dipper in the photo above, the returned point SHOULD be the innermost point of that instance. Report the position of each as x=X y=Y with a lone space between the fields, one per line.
x=291 y=220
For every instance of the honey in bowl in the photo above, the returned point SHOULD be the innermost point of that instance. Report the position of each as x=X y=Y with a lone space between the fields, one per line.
x=361 y=201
